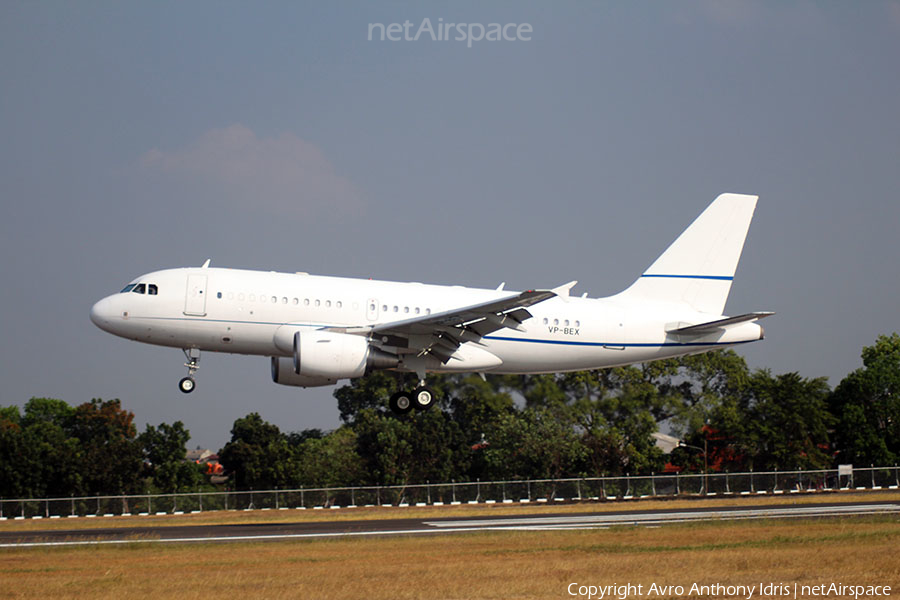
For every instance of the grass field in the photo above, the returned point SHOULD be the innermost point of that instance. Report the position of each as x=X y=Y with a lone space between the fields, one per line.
x=852 y=551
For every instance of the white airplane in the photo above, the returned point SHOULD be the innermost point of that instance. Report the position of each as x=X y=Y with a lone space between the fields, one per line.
x=318 y=330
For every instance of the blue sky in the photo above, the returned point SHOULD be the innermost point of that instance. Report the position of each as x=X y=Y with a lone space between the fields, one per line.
x=139 y=136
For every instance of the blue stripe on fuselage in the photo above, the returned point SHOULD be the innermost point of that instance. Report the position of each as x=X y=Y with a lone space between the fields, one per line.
x=714 y=277
x=611 y=344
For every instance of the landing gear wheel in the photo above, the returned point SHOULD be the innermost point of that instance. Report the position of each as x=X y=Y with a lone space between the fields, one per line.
x=187 y=385
x=423 y=398
x=401 y=403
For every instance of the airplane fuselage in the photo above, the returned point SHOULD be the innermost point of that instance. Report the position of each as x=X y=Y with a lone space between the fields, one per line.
x=242 y=312
x=318 y=330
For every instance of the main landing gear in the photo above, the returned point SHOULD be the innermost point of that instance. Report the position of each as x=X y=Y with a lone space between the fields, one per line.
x=422 y=398
x=187 y=384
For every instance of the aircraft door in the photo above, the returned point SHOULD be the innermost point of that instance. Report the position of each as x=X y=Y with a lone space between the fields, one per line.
x=195 y=296
x=372 y=309
x=613 y=329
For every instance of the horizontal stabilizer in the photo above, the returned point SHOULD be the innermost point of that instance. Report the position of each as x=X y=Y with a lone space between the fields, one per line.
x=719 y=323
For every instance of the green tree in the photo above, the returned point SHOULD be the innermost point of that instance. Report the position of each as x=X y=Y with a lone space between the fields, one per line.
x=535 y=443
x=258 y=456
x=691 y=388
x=385 y=445
x=477 y=407
x=867 y=406
x=375 y=389
x=416 y=448
x=611 y=411
x=441 y=449
x=476 y=404
x=329 y=460
x=164 y=450
x=296 y=438
x=787 y=422
x=48 y=410
x=769 y=422
x=50 y=460
x=369 y=392
x=110 y=459
x=12 y=449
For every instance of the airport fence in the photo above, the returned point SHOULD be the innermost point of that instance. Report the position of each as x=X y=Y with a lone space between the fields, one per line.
x=453 y=493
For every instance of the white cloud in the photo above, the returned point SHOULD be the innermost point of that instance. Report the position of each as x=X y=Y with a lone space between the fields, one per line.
x=282 y=174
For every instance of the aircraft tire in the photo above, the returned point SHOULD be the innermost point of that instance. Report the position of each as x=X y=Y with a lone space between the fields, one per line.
x=423 y=398
x=401 y=403
x=187 y=385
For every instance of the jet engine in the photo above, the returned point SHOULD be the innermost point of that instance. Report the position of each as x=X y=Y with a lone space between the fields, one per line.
x=326 y=354
x=283 y=373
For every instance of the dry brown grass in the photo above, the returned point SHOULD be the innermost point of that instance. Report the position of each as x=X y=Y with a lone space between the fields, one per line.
x=435 y=512
x=855 y=551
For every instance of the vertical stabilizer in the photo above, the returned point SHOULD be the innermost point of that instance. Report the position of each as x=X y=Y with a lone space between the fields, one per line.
x=698 y=268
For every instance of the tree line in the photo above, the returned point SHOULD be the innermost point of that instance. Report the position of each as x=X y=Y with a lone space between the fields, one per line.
x=580 y=424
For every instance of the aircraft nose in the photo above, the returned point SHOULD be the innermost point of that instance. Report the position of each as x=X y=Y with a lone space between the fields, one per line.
x=101 y=313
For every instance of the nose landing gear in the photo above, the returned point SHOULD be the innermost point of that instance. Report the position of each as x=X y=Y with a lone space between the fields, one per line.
x=187 y=384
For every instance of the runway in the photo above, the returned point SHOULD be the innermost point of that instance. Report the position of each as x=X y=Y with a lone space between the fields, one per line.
x=392 y=527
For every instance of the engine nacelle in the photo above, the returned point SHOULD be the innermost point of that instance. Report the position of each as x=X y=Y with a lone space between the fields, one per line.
x=337 y=355
x=283 y=373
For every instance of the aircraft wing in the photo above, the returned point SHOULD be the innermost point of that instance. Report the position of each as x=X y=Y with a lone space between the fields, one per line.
x=440 y=334
x=720 y=323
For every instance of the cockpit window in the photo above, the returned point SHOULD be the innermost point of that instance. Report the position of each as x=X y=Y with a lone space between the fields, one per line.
x=141 y=288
